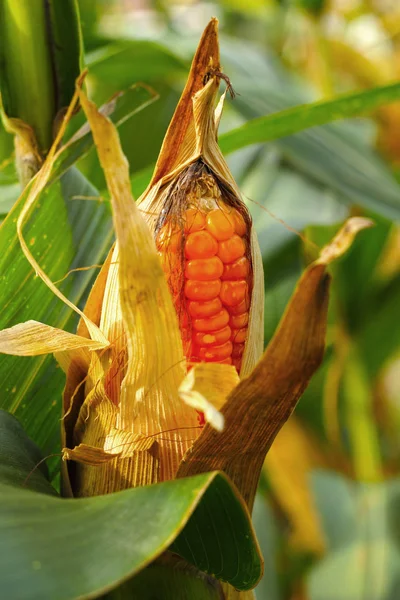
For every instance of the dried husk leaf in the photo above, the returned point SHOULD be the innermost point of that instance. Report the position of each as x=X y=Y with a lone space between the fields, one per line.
x=259 y=406
x=33 y=339
x=89 y=455
x=192 y=136
x=206 y=388
x=139 y=319
x=95 y=431
x=28 y=156
x=74 y=391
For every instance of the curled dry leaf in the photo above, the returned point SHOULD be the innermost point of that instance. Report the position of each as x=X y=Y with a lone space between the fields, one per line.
x=32 y=339
x=206 y=388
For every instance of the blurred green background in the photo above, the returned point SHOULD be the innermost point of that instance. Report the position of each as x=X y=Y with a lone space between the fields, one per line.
x=327 y=513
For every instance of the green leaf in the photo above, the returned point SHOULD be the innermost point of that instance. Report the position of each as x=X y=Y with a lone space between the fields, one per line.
x=378 y=338
x=361 y=525
x=148 y=62
x=337 y=509
x=337 y=155
x=27 y=92
x=66 y=48
x=65 y=549
x=238 y=561
x=8 y=195
x=63 y=233
x=266 y=528
x=6 y=150
x=20 y=459
x=355 y=283
x=40 y=50
x=119 y=109
x=281 y=200
x=298 y=118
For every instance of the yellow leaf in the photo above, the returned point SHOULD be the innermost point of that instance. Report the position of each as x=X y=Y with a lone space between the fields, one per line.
x=206 y=388
x=32 y=339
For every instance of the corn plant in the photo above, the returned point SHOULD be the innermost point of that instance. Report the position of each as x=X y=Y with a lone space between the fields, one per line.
x=148 y=389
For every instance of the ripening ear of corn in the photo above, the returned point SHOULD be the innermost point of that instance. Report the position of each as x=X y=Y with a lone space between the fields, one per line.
x=204 y=247
x=203 y=230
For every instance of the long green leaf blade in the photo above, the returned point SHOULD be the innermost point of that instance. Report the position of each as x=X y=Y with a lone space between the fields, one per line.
x=292 y=120
x=66 y=549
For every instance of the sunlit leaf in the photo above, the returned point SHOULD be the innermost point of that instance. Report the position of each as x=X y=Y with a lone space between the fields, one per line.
x=106 y=539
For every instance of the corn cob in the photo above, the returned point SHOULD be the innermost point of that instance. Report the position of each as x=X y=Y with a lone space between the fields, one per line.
x=204 y=245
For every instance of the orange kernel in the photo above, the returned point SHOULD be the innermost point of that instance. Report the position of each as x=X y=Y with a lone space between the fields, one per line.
x=239 y=335
x=212 y=323
x=232 y=249
x=237 y=270
x=213 y=338
x=240 y=223
x=202 y=290
x=241 y=307
x=214 y=353
x=204 y=269
x=220 y=224
x=233 y=292
x=205 y=309
x=200 y=244
x=195 y=220
x=239 y=321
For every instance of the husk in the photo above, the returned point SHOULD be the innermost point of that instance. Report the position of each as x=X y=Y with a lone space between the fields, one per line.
x=192 y=136
x=33 y=339
x=27 y=153
x=206 y=388
x=143 y=392
x=258 y=407
x=139 y=319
